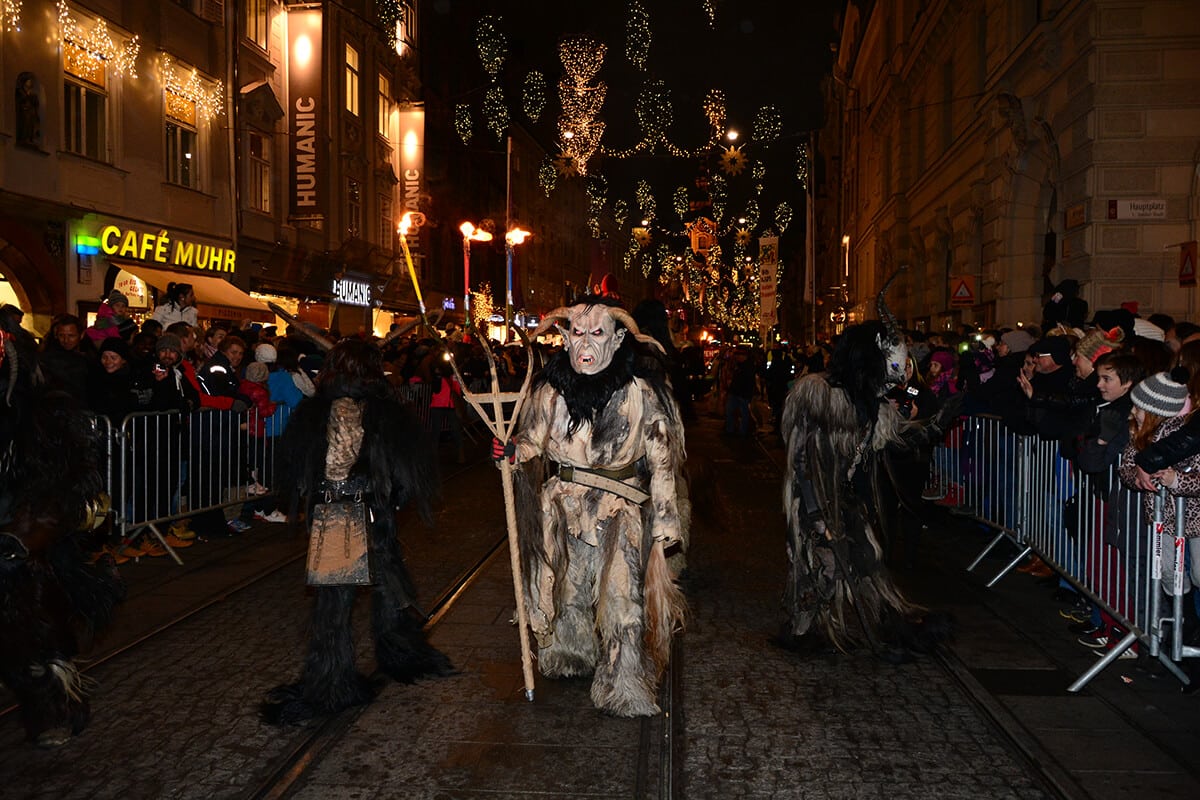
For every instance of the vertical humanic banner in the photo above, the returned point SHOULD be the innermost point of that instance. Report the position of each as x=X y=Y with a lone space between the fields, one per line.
x=412 y=168
x=307 y=152
x=768 y=260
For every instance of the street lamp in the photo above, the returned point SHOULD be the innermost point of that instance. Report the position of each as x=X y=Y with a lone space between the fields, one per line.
x=470 y=234
x=511 y=239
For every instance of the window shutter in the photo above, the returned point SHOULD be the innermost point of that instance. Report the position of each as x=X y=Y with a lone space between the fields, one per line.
x=213 y=11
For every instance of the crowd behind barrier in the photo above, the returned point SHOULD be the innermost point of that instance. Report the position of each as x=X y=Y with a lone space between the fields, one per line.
x=1090 y=529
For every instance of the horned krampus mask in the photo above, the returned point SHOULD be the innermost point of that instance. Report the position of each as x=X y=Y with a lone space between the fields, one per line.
x=891 y=343
x=591 y=335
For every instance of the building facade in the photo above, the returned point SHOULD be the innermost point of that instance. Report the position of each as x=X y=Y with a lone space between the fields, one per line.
x=999 y=147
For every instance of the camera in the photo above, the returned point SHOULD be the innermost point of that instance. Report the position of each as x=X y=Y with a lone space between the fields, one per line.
x=904 y=397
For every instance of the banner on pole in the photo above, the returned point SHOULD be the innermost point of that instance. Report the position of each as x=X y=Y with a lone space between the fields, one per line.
x=768 y=274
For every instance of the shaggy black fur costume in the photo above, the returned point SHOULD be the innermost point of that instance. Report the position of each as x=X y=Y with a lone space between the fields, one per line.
x=397 y=460
x=52 y=601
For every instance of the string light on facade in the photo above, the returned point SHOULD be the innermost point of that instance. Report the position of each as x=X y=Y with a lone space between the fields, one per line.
x=768 y=125
x=495 y=111
x=547 y=175
x=10 y=16
x=91 y=48
x=492 y=45
x=783 y=216
x=534 y=95
x=462 y=122
x=391 y=16
x=186 y=88
x=637 y=35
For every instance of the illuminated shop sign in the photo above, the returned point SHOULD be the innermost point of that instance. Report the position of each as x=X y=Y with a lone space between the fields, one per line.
x=158 y=248
x=412 y=166
x=352 y=293
x=305 y=114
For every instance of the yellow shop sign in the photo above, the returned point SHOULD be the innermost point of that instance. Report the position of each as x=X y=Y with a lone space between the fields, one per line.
x=160 y=248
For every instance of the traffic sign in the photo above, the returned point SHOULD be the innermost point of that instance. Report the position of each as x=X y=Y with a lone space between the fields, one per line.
x=1187 y=264
x=963 y=292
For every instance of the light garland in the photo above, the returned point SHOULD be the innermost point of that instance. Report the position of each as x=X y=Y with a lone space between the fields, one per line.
x=492 y=45
x=710 y=10
x=10 y=16
x=645 y=199
x=596 y=188
x=496 y=112
x=714 y=108
x=783 y=216
x=682 y=206
x=802 y=165
x=93 y=47
x=579 y=127
x=188 y=87
x=462 y=122
x=620 y=213
x=767 y=125
x=752 y=214
x=535 y=95
x=637 y=35
x=547 y=175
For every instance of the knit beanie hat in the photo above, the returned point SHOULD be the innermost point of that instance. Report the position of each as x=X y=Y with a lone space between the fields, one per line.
x=1163 y=393
x=1057 y=347
x=1017 y=341
x=116 y=296
x=1096 y=343
x=115 y=344
x=944 y=358
x=169 y=341
x=265 y=353
x=1148 y=330
x=257 y=372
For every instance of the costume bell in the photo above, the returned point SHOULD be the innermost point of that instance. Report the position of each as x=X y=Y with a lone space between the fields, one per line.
x=600 y=500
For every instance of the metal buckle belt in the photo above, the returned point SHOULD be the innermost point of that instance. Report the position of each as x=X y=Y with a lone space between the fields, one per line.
x=567 y=471
x=603 y=479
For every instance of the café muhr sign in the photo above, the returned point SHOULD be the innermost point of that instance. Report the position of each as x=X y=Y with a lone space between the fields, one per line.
x=157 y=248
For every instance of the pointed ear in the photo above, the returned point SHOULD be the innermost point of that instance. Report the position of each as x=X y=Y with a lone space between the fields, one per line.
x=562 y=331
x=619 y=335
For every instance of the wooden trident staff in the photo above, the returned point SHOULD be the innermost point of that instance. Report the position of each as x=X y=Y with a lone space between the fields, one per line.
x=501 y=427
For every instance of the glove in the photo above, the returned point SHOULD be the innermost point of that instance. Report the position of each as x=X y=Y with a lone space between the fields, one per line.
x=502 y=450
x=239 y=406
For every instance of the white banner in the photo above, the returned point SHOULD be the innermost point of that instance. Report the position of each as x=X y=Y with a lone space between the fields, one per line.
x=768 y=274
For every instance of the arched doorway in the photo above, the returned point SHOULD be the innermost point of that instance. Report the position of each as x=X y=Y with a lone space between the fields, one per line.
x=32 y=281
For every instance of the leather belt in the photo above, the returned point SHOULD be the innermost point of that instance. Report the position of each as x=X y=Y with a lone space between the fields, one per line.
x=614 y=481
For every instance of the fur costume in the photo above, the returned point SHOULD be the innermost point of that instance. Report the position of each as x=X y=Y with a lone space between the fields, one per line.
x=51 y=499
x=600 y=596
x=357 y=431
x=837 y=425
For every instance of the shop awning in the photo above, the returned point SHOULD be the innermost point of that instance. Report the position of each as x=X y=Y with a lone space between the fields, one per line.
x=216 y=297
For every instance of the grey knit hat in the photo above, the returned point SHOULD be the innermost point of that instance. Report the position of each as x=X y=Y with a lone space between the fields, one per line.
x=257 y=372
x=169 y=341
x=117 y=296
x=1017 y=341
x=1164 y=394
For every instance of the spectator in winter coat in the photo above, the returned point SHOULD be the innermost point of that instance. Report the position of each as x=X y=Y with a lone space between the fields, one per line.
x=110 y=392
x=219 y=375
x=112 y=319
x=179 y=305
x=65 y=366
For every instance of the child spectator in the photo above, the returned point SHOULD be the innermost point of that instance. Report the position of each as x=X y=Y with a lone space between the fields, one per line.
x=112 y=319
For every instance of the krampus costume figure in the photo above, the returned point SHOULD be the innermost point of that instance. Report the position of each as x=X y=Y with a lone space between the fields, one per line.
x=836 y=425
x=51 y=499
x=355 y=441
x=602 y=448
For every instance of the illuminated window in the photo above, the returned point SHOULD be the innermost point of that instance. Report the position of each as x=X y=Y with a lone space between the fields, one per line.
x=353 y=209
x=352 y=80
x=385 y=107
x=85 y=104
x=182 y=150
x=258 y=176
x=256 y=21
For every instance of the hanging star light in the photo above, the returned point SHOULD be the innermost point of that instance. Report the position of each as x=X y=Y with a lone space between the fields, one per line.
x=767 y=125
x=186 y=91
x=462 y=122
x=742 y=237
x=783 y=216
x=10 y=16
x=91 y=47
x=547 y=175
x=566 y=166
x=496 y=112
x=637 y=35
x=802 y=165
x=492 y=45
x=535 y=95
x=680 y=201
x=733 y=160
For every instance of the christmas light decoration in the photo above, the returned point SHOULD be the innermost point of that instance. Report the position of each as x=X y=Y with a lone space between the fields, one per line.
x=682 y=207
x=802 y=165
x=496 y=112
x=758 y=170
x=783 y=216
x=596 y=188
x=637 y=35
x=91 y=48
x=714 y=108
x=710 y=10
x=10 y=16
x=481 y=306
x=742 y=237
x=547 y=175
x=187 y=91
x=767 y=125
x=462 y=122
x=566 y=166
x=391 y=14
x=733 y=160
x=535 y=95
x=752 y=214
x=579 y=128
x=645 y=199
x=620 y=213
x=492 y=45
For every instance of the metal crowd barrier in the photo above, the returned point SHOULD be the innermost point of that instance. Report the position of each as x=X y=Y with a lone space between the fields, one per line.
x=1089 y=528
x=419 y=394
x=165 y=466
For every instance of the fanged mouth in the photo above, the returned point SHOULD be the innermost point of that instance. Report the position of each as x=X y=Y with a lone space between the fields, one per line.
x=586 y=360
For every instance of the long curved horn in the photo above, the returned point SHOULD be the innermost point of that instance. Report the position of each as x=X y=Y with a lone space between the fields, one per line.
x=885 y=315
x=561 y=313
x=626 y=319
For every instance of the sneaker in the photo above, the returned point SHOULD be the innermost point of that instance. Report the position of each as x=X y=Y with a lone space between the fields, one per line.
x=1126 y=654
x=1081 y=616
x=1096 y=640
x=176 y=543
x=1085 y=628
x=237 y=526
x=255 y=489
x=131 y=550
x=180 y=530
x=935 y=491
x=953 y=496
x=153 y=549
x=277 y=516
